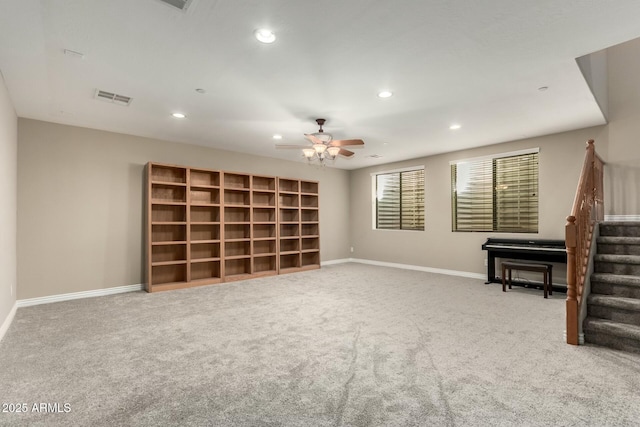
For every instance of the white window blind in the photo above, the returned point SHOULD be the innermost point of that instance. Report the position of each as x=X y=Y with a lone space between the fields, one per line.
x=496 y=194
x=400 y=200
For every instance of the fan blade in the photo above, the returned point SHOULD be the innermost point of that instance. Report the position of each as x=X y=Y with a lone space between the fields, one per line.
x=346 y=142
x=292 y=146
x=345 y=153
x=312 y=138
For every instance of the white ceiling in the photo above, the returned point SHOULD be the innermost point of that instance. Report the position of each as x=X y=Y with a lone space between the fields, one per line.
x=475 y=63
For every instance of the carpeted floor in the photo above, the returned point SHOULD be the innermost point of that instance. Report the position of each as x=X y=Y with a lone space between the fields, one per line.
x=350 y=344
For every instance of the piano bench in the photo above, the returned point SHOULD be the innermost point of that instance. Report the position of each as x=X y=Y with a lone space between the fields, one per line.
x=546 y=269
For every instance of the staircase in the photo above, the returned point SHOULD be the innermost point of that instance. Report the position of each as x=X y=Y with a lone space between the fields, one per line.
x=613 y=307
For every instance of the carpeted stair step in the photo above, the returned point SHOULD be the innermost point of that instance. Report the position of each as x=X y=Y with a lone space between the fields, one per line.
x=617 y=264
x=620 y=228
x=611 y=334
x=617 y=245
x=618 y=309
x=615 y=284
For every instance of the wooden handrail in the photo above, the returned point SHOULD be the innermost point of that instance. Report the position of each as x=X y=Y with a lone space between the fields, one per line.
x=587 y=210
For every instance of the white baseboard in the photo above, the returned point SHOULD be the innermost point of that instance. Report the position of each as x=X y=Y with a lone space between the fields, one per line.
x=622 y=217
x=78 y=295
x=335 y=261
x=421 y=268
x=7 y=322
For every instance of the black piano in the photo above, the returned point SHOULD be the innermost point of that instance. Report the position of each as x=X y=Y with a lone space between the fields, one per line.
x=526 y=249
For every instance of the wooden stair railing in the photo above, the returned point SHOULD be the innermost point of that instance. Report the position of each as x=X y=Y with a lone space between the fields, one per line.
x=587 y=210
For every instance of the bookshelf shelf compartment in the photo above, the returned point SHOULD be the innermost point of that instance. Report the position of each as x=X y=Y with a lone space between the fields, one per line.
x=310 y=258
x=237 y=231
x=233 y=180
x=205 y=178
x=307 y=201
x=289 y=261
x=162 y=173
x=264 y=199
x=289 y=215
x=309 y=187
x=232 y=249
x=237 y=214
x=288 y=185
x=312 y=243
x=165 y=253
x=264 y=247
x=237 y=198
x=205 y=196
x=168 y=213
x=204 y=251
x=267 y=183
x=169 y=233
x=288 y=200
x=205 y=270
x=205 y=214
x=205 y=232
x=289 y=246
x=234 y=267
x=265 y=264
x=169 y=273
x=309 y=215
x=264 y=215
x=261 y=231
x=289 y=230
x=168 y=193
x=310 y=229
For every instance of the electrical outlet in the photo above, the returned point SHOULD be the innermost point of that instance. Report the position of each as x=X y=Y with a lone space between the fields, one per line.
x=486 y=262
x=351 y=249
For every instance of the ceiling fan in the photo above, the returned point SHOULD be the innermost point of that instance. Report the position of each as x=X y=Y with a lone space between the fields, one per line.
x=323 y=146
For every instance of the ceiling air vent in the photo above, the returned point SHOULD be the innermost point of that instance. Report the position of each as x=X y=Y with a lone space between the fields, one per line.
x=178 y=4
x=113 y=97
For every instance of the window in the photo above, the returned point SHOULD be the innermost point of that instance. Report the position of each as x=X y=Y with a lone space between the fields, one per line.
x=399 y=200
x=498 y=193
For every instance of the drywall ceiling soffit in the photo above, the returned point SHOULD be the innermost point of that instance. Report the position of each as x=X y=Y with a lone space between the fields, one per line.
x=476 y=63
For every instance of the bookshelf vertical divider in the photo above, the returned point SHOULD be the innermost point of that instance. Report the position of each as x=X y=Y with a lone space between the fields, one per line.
x=206 y=226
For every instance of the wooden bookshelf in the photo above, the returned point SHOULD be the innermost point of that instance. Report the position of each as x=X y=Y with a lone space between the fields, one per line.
x=298 y=225
x=206 y=226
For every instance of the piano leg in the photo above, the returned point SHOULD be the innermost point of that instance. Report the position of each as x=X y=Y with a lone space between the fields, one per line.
x=491 y=269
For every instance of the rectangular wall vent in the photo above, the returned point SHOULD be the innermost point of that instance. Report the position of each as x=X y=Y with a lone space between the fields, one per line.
x=178 y=4
x=113 y=97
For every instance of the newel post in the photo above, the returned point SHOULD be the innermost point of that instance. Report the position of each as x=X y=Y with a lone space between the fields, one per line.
x=572 y=302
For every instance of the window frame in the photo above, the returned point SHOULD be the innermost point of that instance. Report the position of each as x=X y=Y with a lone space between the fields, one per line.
x=374 y=199
x=494 y=214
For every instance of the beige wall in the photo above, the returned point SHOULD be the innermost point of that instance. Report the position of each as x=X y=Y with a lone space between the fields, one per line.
x=81 y=203
x=561 y=158
x=623 y=157
x=8 y=202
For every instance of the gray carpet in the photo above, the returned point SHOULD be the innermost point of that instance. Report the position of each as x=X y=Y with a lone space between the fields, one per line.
x=351 y=345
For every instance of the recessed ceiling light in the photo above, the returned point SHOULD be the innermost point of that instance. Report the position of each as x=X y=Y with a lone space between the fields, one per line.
x=543 y=88
x=200 y=90
x=276 y=136
x=455 y=126
x=178 y=115
x=385 y=94
x=265 y=36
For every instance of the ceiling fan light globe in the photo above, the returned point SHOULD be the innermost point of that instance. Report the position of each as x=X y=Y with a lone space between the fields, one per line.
x=308 y=152
x=333 y=151
x=323 y=136
x=319 y=148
